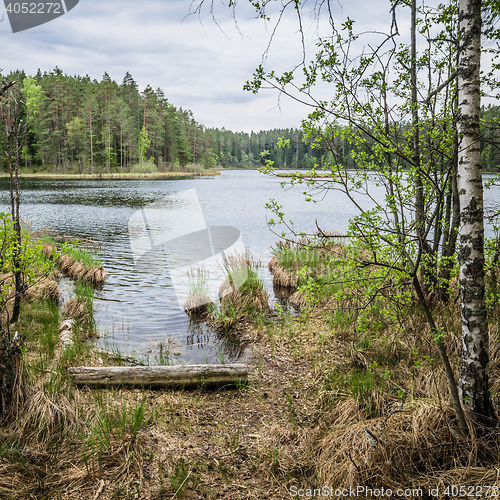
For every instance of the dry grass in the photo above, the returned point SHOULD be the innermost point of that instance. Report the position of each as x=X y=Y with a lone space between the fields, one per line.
x=44 y=288
x=283 y=278
x=242 y=300
x=243 y=296
x=47 y=453
x=291 y=257
x=297 y=300
x=323 y=407
x=85 y=271
x=76 y=308
x=96 y=275
x=288 y=428
x=417 y=446
x=197 y=303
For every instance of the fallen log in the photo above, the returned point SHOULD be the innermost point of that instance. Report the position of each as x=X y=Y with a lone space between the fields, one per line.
x=178 y=376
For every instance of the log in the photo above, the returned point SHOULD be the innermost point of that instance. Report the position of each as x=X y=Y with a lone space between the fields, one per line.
x=178 y=376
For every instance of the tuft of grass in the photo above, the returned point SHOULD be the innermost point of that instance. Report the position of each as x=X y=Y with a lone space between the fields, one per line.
x=78 y=259
x=81 y=309
x=306 y=270
x=179 y=476
x=249 y=300
x=164 y=356
x=84 y=257
x=115 y=425
x=198 y=300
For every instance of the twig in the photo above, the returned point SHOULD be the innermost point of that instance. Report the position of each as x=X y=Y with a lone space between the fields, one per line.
x=396 y=410
x=99 y=490
x=179 y=488
x=371 y=437
x=353 y=462
x=441 y=87
x=240 y=447
x=45 y=371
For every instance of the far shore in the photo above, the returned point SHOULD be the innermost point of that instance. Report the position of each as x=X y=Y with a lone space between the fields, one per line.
x=305 y=175
x=115 y=175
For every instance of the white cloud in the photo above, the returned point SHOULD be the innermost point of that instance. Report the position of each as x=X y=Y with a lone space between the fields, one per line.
x=201 y=67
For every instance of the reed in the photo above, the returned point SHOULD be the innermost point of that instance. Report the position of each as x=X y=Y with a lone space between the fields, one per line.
x=198 y=300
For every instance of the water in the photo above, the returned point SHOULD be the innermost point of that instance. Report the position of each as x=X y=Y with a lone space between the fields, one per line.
x=137 y=312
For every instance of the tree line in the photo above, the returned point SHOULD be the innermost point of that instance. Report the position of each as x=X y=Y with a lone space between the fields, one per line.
x=244 y=150
x=79 y=124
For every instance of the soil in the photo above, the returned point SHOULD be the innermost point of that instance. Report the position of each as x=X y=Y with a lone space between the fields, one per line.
x=235 y=443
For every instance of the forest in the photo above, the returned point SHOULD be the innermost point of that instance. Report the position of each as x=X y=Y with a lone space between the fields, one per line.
x=79 y=125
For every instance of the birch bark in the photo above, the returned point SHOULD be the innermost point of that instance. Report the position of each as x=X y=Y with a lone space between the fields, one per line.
x=473 y=379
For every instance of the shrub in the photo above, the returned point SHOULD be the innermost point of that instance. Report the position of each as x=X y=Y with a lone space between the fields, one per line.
x=144 y=167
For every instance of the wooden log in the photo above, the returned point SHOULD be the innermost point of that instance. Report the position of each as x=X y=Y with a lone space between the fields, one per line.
x=178 y=376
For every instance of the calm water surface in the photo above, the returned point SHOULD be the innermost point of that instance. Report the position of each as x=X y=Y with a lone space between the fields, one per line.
x=138 y=313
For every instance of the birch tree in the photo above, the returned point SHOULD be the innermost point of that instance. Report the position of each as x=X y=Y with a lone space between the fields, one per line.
x=361 y=112
x=473 y=378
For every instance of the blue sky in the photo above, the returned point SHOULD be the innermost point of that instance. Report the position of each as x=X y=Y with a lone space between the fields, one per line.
x=201 y=66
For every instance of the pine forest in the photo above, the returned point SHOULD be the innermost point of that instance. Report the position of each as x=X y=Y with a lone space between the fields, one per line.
x=79 y=125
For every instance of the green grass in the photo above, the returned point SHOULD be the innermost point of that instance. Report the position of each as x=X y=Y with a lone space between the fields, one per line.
x=39 y=323
x=47 y=238
x=198 y=298
x=179 y=476
x=85 y=257
x=316 y=263
x=115 y=423
x=244 y=295
x=362 y=385
x=85 y=324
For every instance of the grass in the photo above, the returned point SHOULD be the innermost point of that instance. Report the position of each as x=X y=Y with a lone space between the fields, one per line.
x=85 y=257
x=81 y=308
x=295 y=263
x=76 y=258
x=243 y=293
x=114 y=425
x=178 y=477
x=198 y=298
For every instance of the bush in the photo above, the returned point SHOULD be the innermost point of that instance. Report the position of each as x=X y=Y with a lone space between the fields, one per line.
x=193 y=168
x=145 y=167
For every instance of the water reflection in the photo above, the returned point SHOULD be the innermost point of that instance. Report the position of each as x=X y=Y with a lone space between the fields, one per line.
x=225 y=346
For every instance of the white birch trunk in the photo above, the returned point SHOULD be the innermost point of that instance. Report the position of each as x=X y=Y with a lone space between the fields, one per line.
x=473 y=378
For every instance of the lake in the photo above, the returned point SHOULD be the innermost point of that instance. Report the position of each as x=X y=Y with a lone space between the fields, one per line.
x=138 y=312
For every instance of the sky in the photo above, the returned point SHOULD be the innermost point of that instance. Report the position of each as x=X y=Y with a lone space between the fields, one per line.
x=200 y=64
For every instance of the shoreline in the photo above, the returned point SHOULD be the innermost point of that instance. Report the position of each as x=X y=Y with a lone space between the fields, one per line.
x=116 y=175
x=319 y=175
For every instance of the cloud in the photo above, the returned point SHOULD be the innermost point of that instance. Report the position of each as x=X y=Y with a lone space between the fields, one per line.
x=200 y=66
